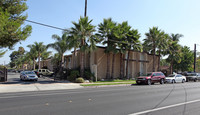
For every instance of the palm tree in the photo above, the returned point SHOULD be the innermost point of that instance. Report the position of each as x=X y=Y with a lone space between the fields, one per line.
x=151 y=42
x=74 y=43
x=32 y=54
x=162 y=46
x=121 y=35
x=174 y=50
x=61 y=46
x=83 y=30
x=45 y=55
x=106 y=32
x=132 y=43
x=2 y=53
x=40 y=48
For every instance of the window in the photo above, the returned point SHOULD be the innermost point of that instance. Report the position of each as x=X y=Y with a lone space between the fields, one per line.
x=43 y=70
x=158 y=74
x=179 y=75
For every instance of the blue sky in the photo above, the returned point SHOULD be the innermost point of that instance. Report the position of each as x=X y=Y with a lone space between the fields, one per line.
x=172 y=16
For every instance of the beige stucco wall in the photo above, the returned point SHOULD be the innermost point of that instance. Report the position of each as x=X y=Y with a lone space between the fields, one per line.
x=98 y=60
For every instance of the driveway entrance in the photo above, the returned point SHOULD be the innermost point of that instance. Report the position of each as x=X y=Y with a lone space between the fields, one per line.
x=14 y=78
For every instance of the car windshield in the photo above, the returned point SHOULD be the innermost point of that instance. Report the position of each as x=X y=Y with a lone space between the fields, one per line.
x=29 y=72
x=172 y=75
x=148 y=74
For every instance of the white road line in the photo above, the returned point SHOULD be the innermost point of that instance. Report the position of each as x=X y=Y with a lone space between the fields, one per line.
x=166 y=107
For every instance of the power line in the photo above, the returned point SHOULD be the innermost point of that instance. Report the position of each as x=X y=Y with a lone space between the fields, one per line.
x=46 y=25
x=66 y=30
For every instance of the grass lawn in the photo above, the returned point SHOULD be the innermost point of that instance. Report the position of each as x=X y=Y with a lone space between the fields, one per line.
x=112 y=82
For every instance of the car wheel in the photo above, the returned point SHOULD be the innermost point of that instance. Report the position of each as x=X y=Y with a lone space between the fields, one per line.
x=162 y=81
x=138 y=83
x=195 y=80
x=173 y=81
x=183 y=81
x=149 y=82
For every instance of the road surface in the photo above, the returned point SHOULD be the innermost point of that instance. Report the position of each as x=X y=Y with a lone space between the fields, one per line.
x=167 y=99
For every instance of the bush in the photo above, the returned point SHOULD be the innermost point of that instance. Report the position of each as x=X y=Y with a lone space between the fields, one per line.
x=89 y=75
x=73 y=75
x=79 y=80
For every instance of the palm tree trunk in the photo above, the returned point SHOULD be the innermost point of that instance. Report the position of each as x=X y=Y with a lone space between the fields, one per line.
x=82 y=64
x=39 y=61
x=121 y=66
x=42 y=63
x=62 y=62
x=127 y=65
x=113 y=65
x=82 y=59
x=159 y=62
x=108 y=66
x=154 y=52
x=33 y=63
x=171 y=67
x=74 y=60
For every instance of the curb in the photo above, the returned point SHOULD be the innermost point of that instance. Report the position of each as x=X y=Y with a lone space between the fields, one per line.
x=107 y=86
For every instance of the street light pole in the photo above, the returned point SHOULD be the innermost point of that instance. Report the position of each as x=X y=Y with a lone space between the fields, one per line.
x=194 y=57
x=85 y=14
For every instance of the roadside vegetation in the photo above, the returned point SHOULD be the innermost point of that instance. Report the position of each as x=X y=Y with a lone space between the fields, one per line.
x=111 y=82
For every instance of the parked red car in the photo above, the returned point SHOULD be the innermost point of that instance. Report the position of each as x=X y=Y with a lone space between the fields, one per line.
x=151 y=78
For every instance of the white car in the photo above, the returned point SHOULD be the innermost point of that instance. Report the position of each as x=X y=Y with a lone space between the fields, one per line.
x=28 y=75
x=174 y=78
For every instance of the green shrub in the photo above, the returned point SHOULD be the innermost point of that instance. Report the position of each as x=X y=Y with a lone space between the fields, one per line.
x=89 y=75
x=73 y=75
x=79 y=80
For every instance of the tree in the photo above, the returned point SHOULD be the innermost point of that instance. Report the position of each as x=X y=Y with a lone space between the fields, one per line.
x=74 y=42
x=121 y=34
x=32 y=54
x=133 y=42
x=106 y=32
x=60 y=45
x=155 y=38
x=174 y=50
x=15 y=57
x=187 y=59
x=83 y=30
x=2 y=53
x=40 y=49
x=11 y=20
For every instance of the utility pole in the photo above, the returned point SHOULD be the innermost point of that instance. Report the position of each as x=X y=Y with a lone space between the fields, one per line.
x=85 y=14
x=194 y=57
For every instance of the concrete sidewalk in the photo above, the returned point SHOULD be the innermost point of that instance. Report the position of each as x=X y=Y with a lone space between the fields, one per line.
x=6 y=88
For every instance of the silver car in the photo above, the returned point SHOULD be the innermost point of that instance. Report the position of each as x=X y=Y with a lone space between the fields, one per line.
x=174 y=78
x=28 y=75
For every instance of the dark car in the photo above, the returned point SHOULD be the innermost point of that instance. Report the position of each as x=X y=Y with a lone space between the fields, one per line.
x=192 y=77
x=37 y=73
x=151 y=78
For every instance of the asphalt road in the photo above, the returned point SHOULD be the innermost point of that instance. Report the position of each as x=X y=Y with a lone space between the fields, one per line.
x=167 y=99
x=14 y=78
